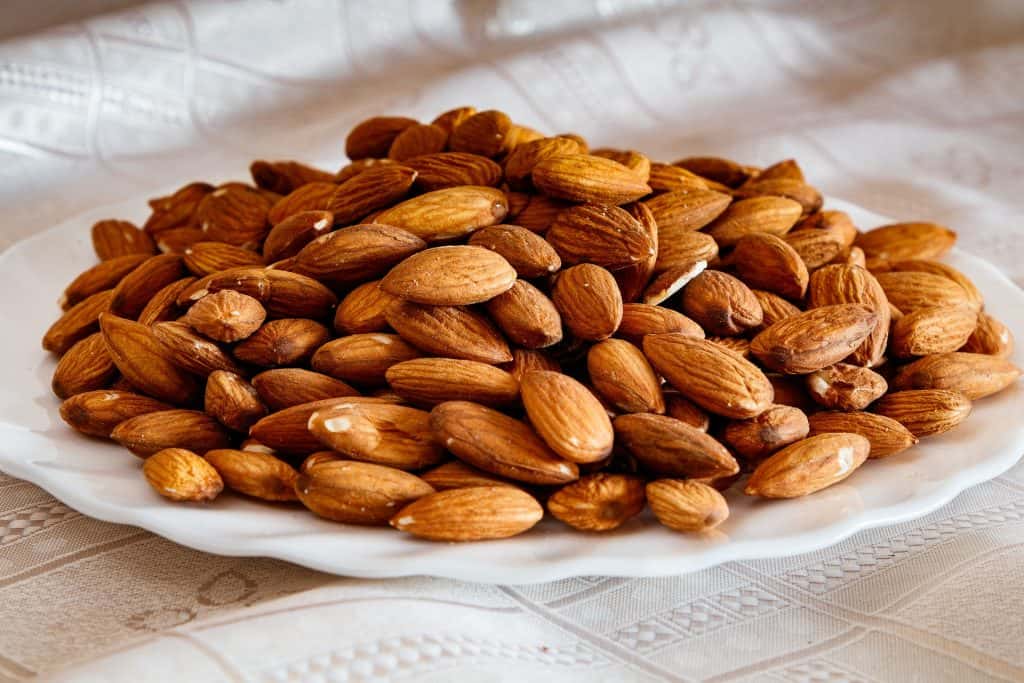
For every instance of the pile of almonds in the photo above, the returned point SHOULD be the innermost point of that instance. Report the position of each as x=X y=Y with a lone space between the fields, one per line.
x=471 y=322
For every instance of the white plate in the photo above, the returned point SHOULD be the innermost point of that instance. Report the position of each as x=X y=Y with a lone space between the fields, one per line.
x=103 y=480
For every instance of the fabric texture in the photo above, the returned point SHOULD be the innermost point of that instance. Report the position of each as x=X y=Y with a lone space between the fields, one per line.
x=910 y=109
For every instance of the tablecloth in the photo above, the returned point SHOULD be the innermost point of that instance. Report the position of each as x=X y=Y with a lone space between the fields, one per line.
x=912 y=109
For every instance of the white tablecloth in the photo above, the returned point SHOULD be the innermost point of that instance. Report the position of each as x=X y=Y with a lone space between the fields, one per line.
x=912 y=109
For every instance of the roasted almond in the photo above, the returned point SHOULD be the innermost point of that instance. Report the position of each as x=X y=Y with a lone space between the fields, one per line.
x=813 y=339
x=114 y=238
x=810 y=465
x=886 y=435
x=357 y=253
x=764 y=261
x=685 y=211
x=97 y=413
x=598 y=502
x=925 y=331
x=633 y=279
x=177 y=240
x=527 y=252
x=669 y=447
x=233 y=401
x=974 y=375
x=144 y=361
x=358 y=492
x=450 y=276
x=816 y=247
x=226 y=316
x=448 y=213
x=758 y=437
x=667 y=178
x=470 y=514
x=721 y=304
x=164 y=304
x=281 y=388
x=588 y=178
x=181 y=475
x=435 y=380
x=255 y=474
x=86 y=366
x=809 y=198
x=203 y=258
x=622 y=376
x=567 y=416
x=604 y=235
x=718 y=169
x=685 y=410
x=925 y=411
x=362 y=358
x=589 y=301
x=901 y=241
x=149 y=432
x=911 y=290
x=458 y=475
x=452 y=331
x=687 y=506
x=526 y=316
x=381 y=433
x=683 y=248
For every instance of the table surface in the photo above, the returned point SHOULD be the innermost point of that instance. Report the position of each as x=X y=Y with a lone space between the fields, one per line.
x=911 y=110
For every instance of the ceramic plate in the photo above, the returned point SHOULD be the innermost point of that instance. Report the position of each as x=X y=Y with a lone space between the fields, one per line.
x=103 y=480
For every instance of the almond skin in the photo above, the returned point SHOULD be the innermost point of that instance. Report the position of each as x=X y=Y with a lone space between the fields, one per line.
x=667 y=178
x=622 y=375
x=286 y=431
x=938 y=329
x=685 y=410
x=434 y=380
x=288 y=341
x=526 y=316
x=773 y=307
x=97 y=413
x=588 y=178
x=974 y=375
x=226 y=316
x=499 y=444
x=525 y=360
x=282 y=388
x=150 y=432
x=718 y=169
x=104 y=275
x=177 y=210
x=453 y=118
x=381 y=433
x=847 y=284
x=363 y=310
x=452 y=331
x=164 y=304
x=639 y=320
x=901 y=241
x=770 y=215
x=357 y=253
x=233 y=401
x=686 y=506
x=448 y=213
x=758 y=437
x=527 y=252
x=144 y=361
x=713 y=377
x=598 y=502
x=362 y=358
x=975 y=299
x=589 y=301
x=764 y=261
x=86 y=366
x=255 y=474
x=453 y=169
x=887 y=436
x=925 y=412
x=809 y=198
x=190 y=352
x=814 y=339
x=484 y=133
x=567 y=416
x=282 y=177
x=721 y=304
x=669 y=447
x=683 y=247
x=685 y=211
x=373 y=137
x=419 y=139
x=600 y=234
x=236 y=214
x=114 y=238
x=521 y=162
x=450 y=276
x=845 y=387
x=809 y=465
x=632 y=279
x=470 y=514
x=180 y=475
x=358 y=492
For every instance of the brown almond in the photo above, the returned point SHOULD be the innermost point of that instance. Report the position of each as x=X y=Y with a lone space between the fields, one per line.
x=974 y=375
x=721 y=304
x=845 y=387
x=362 y=358
x=144 y=361
x=86 y=366
x=788 y=168
x=925 y=411
x=683 y=248
x=354 y=168
x=255 y=474
x=309 y=197
x=990 y=337
x=363 y=310
x=358 y=492
x=451 y=331
x=483 y=133
x=422 y=138
x=588 y=178
x=453 y=118
x=357 y=253
x=136 y=288
x=453 y=169
x=598 y=502
x=975 y=299
x=633 y=279
x=203 y=258
x=669 y=447
x=567 y=416
x=814 y=339
x=376 y=188
x=164 y=304
x=622 y=375
x=233 y=401
x=808 y=197
x=718 y=169
x=287 y=341
x=525 y=360
x=181 y=475
x=97 y=413
x=630 y=158
x=540 y=212
x=236 y=214
x=925 y=331
x=848 y=284
x=773 y=307
x=287 y=238
x=448 y=213
x=470 y=514
x=104 y=275
x=149 y=432
x=772 y=215
x=810 y=465
x=374 y=136
x=319 y=458
x=604 y=235
x=190 y=352
x=286 y=431
x=671 y=281
x=758 y=437
x=685 y=211
x=639 y=320
x=177 y=240
x=685 y=410
x=176 y=210
x=527 y=252
x=282 y=388
x=381 y=433
x=667 y=178
x=450 y=276
x=114 y=238
x=901 y=241
x=687 y=506
x=816 y=247
x=526 y=316
x=589 y=301
x=887 y=436
x=521 y=162
x=764 y=261
x=226 y=316
x=837 y=223
x=911 y=290
x=435 y=380
x=281 y=177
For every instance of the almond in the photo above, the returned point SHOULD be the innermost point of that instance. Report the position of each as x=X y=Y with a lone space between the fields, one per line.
x=453 y=169
x=718 y=169
x=758 y=437
x=164 y=304
x=521 y=162
x=363 y=310
x=356 y=254
x=685 y=211
x=788 y=168
x=901 y=241
x=540 y=212
x=990 y=337
x=77 y=323
x=639 y=320
x=458 y=475
x=104 y=275
x=666 y=178
x=499 y=444
x=372 y=190
x=136 y=288
x=181 y=475
x=588 y=178
x=589 y=301
x=847 y=284
x=226 y=316
x=233 y=401
x=713 y=377
x=356 y=167
x=450 y=276
x=567 y=416
x=526 y=316
x=448 y=213
x=177 y=240
x=816 y=247
x=282 y=177
x=435 y=380
x=374 y=136
x=809 y=198
x=687 y=506
x=470 y=514
x=190 y=352
x=764 y=261
x=671 y=281
x=286 y=431
x=255 y=474
x=203 y=258
x=316 y=459
x=837 y=223
x=737 y=345
x=453 y=118
x=149 y=432
x=975 y=300
x=623 y=376
x=285 y=387
x=236 y=215
x=525 y=360
x=925 y=412
x=309 y=197
x=97 y=413
x=177 y=210
x=911 y=290
x=630 y=158
x=669 y=447
x=528 y=253
x=287 y=238
x=483 y=133
x=358 y=492
x=287 y=341
x=845 y=387
x=114 y=238
x=422 y=138
x=887 y=436
x=772 y=215
x=144 y=361
x=925 y=331
x=381 y=433
x=814 y=339
x=633 y=279
x=362 y=358
x=604 y=235
x=598 y=502
x=452 y=331
x=685 y=410
x=974 y=375
x=86 y=366
x=721 y=304
x=810 y=465
x=773 y=307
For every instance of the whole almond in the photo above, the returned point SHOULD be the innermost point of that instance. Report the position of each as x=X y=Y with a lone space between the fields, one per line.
x=604 y=235
x=226 y=316
x=521 y=162
x=452 y=331
x=713 y=377
x=773 y=307
x=453 y=169
x=423 y=138
x=721 y=304
x=588 y=178
x=255 y=474
x=816 y=247
x=788 y=168
x=374 y=189
x=669 y=447
x=567 y=416
x=136 y=288
x=458 y=475
x=837 y=223
x=470 y=514
x=374 y=136
x=114 y=238
x=737 y=345
x=497 y=443
x=282 y=388
x=144 y=361
x=810 y=465
x=622 y=375
x=287 y=341
x=634 y=278
x=381 y=433
x=848 y=284
x=667 y=178
x=357 y=253
x=630 y=158
x=149 y=432
x=319 y=458
x=845 y=387
x=97 y=413
x=86 y=366
x=758 y=437
x=808 y=197
x=764 y=261
x=975 y=299
x=287 y=238
x=282 y=177
x=483 y=133
x=685 y=211
x=887 y=436
x=772 y=215
x=354 y=168
x=901 y=241
x=177 y=240
x=435 y=380
x=974 y=375
x=639 y=320
x=453 y=118
x=598 y=502
x=176 y=210
x=181 y=475
x=286 y=431
x=104 y=275
x=589 y=301
x=363 y=310
x=236 y=214
x=362 y=358
x=233 y=401
x=925 y=412
x=450 y=276
x=937 y=329
x=526 y=316
x=448 y=213
x=190 y=352
x=203 y=258
x=358 y=492
x=540 y=212
x=164 y=304
x=527 y=252
x=911 y=290
x=687 y=506
x=991 y=337
x=719 y=169
x=814 y=339
x=77 y=323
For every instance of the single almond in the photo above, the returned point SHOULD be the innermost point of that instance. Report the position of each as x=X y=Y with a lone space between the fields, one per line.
x=287 y=341
x=634 y=278
x=816 y=247
x=451 y=331
x=911 y=290
x=622 y=376
x=381 y=433
x=450 y=276
x=422 y=138
x=639 y=320
x=363 y=310
x=374 y=136
x=773 y=307
x=453 y=118
x=788 y=168
x=374 y=189
x=667 y=178
x=164 y=304
x=86 y=366
x=589 y=301
x=685 y=211
x=685 y=410
x=848 y=284
x=255 y=474
x=357 y=253
x=281 y=177
x=434 y=380
x=814 y=339
x=282 y=388
x=974 y=375
x=886 y=435
x=809 y=465
x=358 y=492
x=458 y=475
x=764 y=261
x=237 y=214
x=233 y=401
x=525 y=360
x=286 y=431
x=567 y=416
x=104 y=275
x=453 y=169
x=682 y=248
x=144 y=361
x=226 y=316
x=309 y=197
x=190 y=352
x=177 y=240
x=526 y=316
x=604 y=235
x=527 y=252
x=354 y=168
x=179 y=474
x=319 y=458
x=588 y=178
x=718 y=169
x=362 y=358
x=114 y=238
x=630 y=158
x=808 y=197
x=598 y=502
x=975 y=299
x=521 y=162
x=203 y=258
x=937 y=329
x=990 y=337
x=771 y=215
x=758 y=437
x=77 y=323
x=136 y=288
x=845 y=387
x=287 y=238
x=669 y=447
x=925 y=411
x=448 y=213
x=720 y=303
x=470 y=514
x=149 y=432
x=97 y=413
x=901 y=241
x=483 y=133
x=687 y=506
